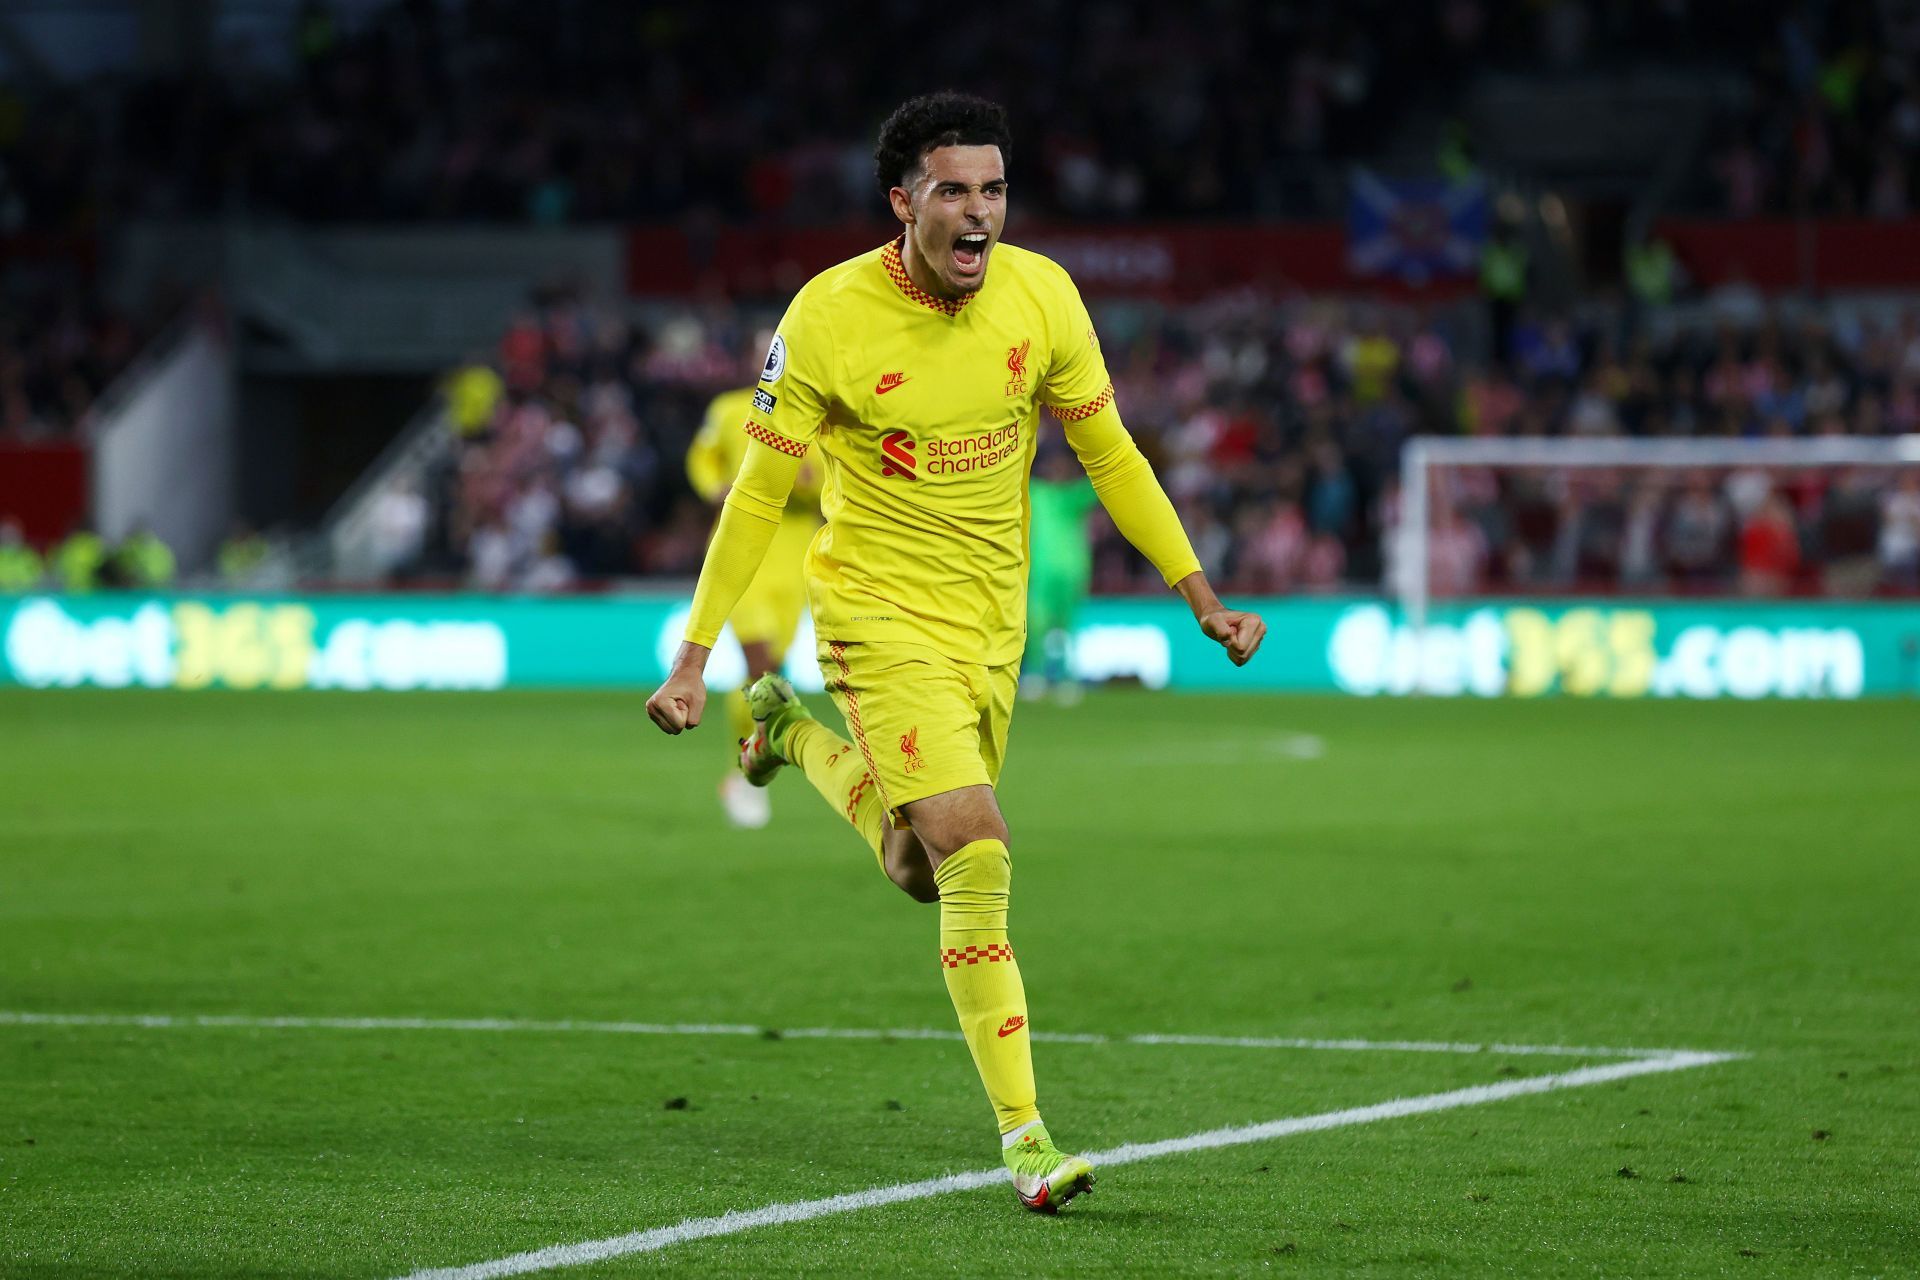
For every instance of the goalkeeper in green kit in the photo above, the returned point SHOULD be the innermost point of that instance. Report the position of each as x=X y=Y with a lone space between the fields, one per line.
x=1062 y=497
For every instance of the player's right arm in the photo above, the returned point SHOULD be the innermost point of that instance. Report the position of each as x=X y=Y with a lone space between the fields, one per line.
x=748 y=520
x=791 y=400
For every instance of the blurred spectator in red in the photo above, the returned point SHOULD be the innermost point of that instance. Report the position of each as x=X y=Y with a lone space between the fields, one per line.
x=1769 y=549
x=523 y=353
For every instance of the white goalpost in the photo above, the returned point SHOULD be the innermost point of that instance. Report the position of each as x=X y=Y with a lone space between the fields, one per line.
x=1423 y=454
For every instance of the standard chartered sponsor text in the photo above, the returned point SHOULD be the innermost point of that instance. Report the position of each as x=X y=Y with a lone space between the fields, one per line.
x=972 y=453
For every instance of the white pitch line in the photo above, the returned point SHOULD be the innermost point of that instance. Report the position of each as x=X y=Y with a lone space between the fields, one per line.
x=726 y=1224
x=260 y=1023
x=1286 y=746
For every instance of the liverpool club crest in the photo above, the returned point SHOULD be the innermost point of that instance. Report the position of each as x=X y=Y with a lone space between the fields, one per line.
x=1017 y=367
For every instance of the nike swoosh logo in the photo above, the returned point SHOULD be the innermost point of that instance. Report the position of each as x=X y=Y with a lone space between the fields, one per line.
x=888 y=384
x=1013 y=1025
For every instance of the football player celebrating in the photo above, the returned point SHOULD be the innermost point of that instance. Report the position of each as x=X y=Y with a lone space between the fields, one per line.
x=919 y=375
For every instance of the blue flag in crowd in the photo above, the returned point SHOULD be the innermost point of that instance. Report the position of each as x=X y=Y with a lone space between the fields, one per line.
x=1415 y=229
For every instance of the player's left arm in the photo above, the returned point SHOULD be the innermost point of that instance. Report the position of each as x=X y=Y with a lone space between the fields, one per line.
x=1143 y=513
x=1081 y=395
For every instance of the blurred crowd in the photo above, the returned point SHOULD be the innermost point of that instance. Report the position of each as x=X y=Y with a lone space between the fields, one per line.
x=569 y=448
x=1834 y=123
x=59 y=348
x=1850 y=531
x=592 y=110
x=1278 y=433
x=584 y=110
x=1275 y=429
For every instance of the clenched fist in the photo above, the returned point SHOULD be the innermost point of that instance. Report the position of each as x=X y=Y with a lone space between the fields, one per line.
x=677 y=705
x=1240 y=632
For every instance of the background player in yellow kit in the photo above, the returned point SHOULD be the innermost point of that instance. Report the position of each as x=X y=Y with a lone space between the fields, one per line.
x=921 y=377
x=769 y=610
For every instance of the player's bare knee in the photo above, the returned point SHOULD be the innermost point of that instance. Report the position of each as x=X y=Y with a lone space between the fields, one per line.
x=952 y=840
x=951 y=821
x=906 y=863
x=916 y=882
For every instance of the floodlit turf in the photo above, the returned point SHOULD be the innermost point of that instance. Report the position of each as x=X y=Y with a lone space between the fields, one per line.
x=1724 y=877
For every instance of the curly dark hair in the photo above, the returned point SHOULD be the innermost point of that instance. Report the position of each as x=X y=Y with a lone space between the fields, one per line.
x=944 y=119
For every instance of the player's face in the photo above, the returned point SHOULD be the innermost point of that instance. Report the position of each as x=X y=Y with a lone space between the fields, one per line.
x=954 y=212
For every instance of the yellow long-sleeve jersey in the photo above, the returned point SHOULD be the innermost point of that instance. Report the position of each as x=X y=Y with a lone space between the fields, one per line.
x=924 y=412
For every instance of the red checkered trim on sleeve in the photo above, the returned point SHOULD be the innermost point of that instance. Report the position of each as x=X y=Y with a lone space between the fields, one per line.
x=992 y=953
x=897 y=272
x=775 y=440
x=1088 y=409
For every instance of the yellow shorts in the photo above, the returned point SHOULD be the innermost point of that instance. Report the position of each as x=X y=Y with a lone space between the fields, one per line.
x=769 y=611
x=925 y=723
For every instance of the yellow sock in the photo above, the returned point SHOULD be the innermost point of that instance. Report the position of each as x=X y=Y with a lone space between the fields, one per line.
x=741 y=720
x=982 y=977
x=837 y=772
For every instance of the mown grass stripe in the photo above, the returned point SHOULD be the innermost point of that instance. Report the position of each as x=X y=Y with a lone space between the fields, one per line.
x=733 y=1223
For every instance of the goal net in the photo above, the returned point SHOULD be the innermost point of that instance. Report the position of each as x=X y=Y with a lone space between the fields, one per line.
x=1531 y=565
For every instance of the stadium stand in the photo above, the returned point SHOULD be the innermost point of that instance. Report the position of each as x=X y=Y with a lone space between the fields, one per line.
x=1277 y=430
x=594 y=110
x=59 y=349
x=1275 y=415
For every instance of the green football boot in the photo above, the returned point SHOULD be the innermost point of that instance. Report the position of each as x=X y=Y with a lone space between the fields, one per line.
x=1044 y=1177
x=776 y=709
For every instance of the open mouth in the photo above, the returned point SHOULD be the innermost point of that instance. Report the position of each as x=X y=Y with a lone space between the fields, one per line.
x=970 y=252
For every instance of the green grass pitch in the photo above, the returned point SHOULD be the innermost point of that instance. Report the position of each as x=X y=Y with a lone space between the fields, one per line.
x=1740 y=878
